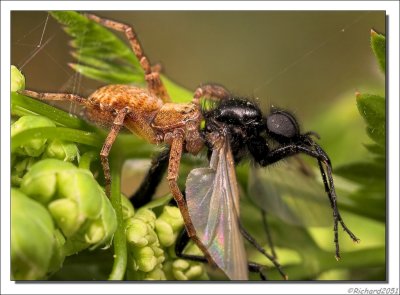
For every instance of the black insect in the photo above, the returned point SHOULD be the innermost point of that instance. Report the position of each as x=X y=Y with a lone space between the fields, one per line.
x=235 y=129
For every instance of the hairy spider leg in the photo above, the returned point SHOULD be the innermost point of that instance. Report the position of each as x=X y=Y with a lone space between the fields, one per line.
x=210 y=91
x=172 y=177
x=267 y=157
x=152 y=76
x=105 y=151
x=55 y=96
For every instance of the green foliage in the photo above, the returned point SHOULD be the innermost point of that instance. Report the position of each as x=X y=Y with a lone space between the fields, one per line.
x=378 y=44
x=32 y=238
x=104 y=57
x=58 y=177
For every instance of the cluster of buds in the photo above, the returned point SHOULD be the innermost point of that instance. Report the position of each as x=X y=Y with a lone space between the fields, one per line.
x=59 y=209
x=76 y=205
x=151 y=242
x=40 y=148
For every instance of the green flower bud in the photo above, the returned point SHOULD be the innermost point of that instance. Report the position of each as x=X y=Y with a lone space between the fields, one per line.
x=184 y=270
x=179 y=266
x=76 y=202
x=145 y=259
x=165 y=233
x=34 y=147
x=102 y=230
x=58 y=256
x=168 y=225
x=157 y=274
x=66 y=215
x=41 y=181
x=32 y=239
x=172 y=215
x=17 y=79
x=80 y=186
x=136 y=233
x=95 y=232
x=146 y=215
x=20 y=168
x=61 y=150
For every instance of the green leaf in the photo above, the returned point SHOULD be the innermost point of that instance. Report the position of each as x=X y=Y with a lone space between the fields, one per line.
x=102 y=56
x=106 y=76
x=94 y=40
x=378 y=44
x=376 y=149
x=373 y=109
x=363 y=172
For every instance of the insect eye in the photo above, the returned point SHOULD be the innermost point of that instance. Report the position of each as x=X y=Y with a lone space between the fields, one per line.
x=282 y=125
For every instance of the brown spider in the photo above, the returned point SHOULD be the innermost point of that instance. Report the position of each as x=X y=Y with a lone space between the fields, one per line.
x=148 y=113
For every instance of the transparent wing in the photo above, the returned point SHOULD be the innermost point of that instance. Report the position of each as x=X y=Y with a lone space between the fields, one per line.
x=290 y=191
x=213 y=202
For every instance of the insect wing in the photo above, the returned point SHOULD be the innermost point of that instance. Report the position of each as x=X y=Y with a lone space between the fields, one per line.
x=288 y=192
x=213 y=201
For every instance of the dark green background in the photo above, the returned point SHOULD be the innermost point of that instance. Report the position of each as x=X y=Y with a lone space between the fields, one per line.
x=301 y=60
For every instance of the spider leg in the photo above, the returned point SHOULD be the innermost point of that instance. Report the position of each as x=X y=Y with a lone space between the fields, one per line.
x=210 y=91
x=55 y=96
x=183 y=240
x=105 y=151
x=173 y=171
x=145 y=192
x=152 y=77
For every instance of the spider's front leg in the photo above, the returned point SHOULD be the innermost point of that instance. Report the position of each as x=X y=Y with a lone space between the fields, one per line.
x=105 y=151
x=211 y=91
x=46 y=96
x=152 y=76
x=173 y=171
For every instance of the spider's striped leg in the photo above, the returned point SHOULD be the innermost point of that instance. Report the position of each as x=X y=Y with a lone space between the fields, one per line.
x=105 y=151
x=173 y=172
x=55 y=96
x=210 y=91
x=152 y=77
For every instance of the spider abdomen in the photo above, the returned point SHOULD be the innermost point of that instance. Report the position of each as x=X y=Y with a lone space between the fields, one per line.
x=116 y=97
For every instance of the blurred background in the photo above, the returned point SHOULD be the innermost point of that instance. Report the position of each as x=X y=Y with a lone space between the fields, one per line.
x=310 y=62
x=300 y=60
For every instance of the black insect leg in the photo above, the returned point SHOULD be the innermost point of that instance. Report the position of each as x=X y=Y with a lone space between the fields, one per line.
x=268 y=233
x=183 y=240
x=145 y=192
x=331 y=189
x=272 y=156
x=260 y=249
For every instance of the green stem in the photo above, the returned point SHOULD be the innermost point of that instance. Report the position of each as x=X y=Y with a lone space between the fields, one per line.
x=61 y=133
x=120 y=249
x=21 y=105
x=87 y=158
